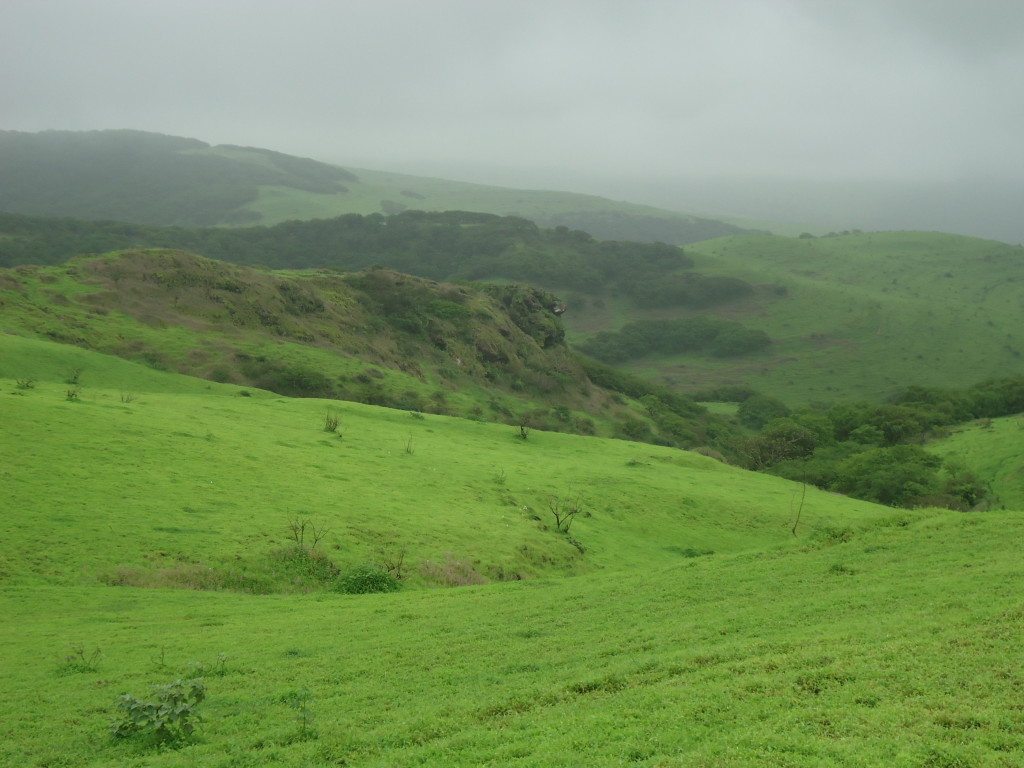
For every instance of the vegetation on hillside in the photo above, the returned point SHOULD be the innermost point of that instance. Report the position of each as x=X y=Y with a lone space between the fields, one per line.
x=454 y=245
x=859 y=316
x=716 y=616
x=874 y=451
x=376 y=336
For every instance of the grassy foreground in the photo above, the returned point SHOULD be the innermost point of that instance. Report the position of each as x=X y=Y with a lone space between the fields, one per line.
x=873 y=637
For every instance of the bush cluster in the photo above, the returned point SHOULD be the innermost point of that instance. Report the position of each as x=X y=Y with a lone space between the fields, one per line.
x=366 y=578
x=870 y=450
x=693 y=335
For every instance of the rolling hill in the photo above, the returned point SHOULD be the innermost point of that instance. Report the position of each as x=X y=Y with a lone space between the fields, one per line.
x=148 y=178
x=857 y=315
x=854 y=315
x=153 y=540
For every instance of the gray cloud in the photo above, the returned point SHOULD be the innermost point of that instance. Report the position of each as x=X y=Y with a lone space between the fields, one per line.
x=539 y=91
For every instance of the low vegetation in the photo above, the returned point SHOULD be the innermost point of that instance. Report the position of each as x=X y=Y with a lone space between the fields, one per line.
x=379 y=337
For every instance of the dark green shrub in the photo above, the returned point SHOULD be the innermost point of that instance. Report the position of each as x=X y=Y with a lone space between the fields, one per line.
x=366 y=578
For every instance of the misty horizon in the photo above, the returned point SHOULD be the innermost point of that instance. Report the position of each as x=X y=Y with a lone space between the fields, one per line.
x=894 y=115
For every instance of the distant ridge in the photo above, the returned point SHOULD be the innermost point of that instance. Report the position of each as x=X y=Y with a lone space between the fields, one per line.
x=152 y=178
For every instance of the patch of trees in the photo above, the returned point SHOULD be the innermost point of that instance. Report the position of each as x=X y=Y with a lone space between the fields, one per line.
x=872 y=451
x=693 y=335
x=452 y=245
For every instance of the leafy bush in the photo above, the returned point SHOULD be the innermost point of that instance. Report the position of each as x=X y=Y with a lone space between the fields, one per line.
x=171 y=716
x=366 y=578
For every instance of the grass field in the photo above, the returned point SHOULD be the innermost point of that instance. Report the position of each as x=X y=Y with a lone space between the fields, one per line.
x=853 y=316
x=688 y=627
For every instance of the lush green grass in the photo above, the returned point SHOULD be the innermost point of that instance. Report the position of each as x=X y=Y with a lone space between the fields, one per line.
x=994 y=449
x=857 y=316
x=898 y=647
x=872 y=637
x=213 y=478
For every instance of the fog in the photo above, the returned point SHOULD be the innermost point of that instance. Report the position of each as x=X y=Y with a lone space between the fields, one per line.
x=887 y=113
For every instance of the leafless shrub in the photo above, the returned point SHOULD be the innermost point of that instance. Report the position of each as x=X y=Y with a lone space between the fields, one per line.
x=299 y=528
x=564 y=510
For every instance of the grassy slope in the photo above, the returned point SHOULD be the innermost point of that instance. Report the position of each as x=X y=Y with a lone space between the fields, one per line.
x=993 y=449
x=862 y=315
x=212 y=477
x=891 y=647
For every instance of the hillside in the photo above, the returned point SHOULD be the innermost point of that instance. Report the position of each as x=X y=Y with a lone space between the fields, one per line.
x=857 y=315
x=697 y=629
x=375 y=336
x=806 y=320
x=148 y=178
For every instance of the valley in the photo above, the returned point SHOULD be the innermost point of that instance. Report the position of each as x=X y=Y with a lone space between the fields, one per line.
x=356 y=468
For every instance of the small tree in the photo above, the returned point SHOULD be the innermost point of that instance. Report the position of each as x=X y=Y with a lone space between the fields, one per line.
x=564 y=510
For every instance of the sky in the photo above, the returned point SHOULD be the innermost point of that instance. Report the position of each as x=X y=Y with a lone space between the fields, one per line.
x=613 y=97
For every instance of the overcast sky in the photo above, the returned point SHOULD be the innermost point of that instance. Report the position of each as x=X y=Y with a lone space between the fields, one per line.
x=540 y=92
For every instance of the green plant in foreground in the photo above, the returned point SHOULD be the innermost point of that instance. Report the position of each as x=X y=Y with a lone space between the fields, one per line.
x=26 y=384
x=301 y=702
x=171 y=716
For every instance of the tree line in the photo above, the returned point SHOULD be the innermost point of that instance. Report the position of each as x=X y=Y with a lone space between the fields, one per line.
x=873 y=451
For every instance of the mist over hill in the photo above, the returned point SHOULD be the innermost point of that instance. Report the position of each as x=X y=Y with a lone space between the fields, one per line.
x=150 y=178
x=976 y=206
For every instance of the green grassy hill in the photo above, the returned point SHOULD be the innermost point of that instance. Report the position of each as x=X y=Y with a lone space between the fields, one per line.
x=149 y=178
x=697 y=630
x=851 y=316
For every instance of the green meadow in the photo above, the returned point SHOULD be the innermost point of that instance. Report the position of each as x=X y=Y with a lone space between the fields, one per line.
x=693 y=614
